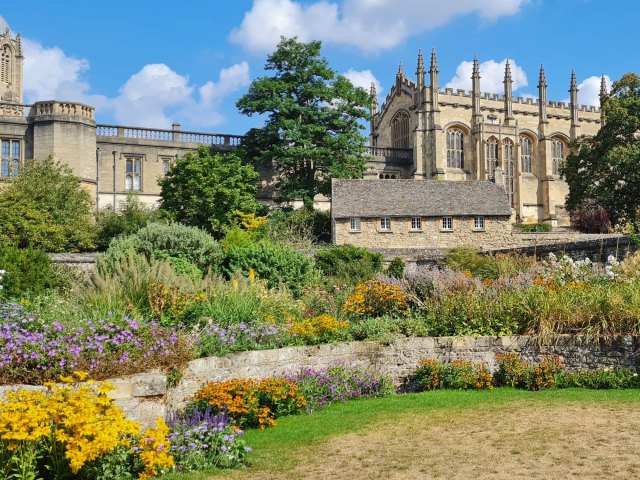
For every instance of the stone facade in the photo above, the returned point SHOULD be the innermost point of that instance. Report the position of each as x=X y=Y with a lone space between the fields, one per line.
x=424 y=132
x=147 y=396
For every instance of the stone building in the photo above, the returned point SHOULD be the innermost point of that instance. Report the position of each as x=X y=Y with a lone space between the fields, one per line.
x=424 y=132
x=110 y=160
x=407 y=213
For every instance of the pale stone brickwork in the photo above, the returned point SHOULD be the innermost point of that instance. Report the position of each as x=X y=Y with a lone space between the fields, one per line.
x=421 y=119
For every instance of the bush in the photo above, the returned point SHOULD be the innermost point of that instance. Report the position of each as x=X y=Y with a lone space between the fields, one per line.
x=174 y=242
x=604 y=378
x=376 y=298
x=321 y=329
x=387 y=329
x=533 y=227
x=396 y=268
x=592 y=219
x=45 y=207
x=470 y=260
x=460 y=374
x=277 y=264
x=249 y=402
x=26 y=272
x=301 y=226
x=350 y=263
x=130 y=217
x=517 y=373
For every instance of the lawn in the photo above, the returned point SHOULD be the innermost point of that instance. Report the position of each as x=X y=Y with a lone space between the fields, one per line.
x=501 y=434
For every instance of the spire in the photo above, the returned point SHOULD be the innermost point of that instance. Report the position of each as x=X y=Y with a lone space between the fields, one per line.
x=603 y=87
x=542 y=95
x=434 y=62
x=373 y=98
x=573 y=99
x=508 y=92
x=400 y=73
x=19 y=41
x=475 y=88
x=475 y=73
x=574 y=86
x=420 y=63
x=434 y=88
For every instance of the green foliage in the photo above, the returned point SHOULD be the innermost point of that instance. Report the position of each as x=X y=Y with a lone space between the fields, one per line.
x=517 y=373
x=272 y=262
x=130 y=217
x=205 y=188
x=174 y=242
x=312 y=131
x=47 y=208
x=470 y=260
x=601 y=379
x=349 y=263
x=299 y=227
x=396 y=268
x=239 y=237
x=533 y=227
x=603 y=170
x=27 y=272
x=387 y=329
x=460 y=374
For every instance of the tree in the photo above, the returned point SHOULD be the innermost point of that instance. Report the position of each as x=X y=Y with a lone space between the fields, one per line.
x=47 y=208
x=605 y=170
x=130 y=216
x=312 y=131
x=204 y=189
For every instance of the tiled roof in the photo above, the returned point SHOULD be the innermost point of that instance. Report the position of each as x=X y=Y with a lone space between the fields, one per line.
x=425 y=198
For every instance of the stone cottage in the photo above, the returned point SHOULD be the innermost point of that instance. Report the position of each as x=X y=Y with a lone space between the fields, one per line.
x=407 y=213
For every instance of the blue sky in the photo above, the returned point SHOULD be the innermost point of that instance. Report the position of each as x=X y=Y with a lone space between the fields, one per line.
x=149 y=63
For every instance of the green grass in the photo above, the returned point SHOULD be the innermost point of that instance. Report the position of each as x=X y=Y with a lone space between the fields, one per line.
x=277 y=449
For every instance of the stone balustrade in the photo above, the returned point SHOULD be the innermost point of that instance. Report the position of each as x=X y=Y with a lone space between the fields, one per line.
x=55 y=107
x=174 y=135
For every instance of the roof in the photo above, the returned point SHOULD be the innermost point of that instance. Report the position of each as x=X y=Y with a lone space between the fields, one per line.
x=424 y=198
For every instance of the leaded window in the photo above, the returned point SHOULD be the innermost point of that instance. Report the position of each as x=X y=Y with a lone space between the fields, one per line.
x=492 y=156
x=455 y=148
x=10 y=158
x=400 y=130
x=557 y=156
x=133 y=174
x=509 y=169
x=526 y=154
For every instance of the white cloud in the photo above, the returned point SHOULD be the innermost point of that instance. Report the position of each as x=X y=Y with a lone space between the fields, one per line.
x=371 y=25
x=363 y=79
x=589 y=90
x=491 y=76
x=49 y=74
x=152 y=97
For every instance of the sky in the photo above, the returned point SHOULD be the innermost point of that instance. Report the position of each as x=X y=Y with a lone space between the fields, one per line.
x=150 y=63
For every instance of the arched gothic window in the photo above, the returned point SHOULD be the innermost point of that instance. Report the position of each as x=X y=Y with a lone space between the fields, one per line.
x=5 y=64
x=557 y=156
x=400 y=130
x=526 y=154
x=492 y=156
x=509 y=169
x=455 y=148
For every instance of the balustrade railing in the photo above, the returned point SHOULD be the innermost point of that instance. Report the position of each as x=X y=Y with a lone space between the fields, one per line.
x=221 y=139
x=404 y=153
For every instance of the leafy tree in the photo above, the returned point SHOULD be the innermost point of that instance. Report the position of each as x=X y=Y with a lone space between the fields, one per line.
x=605 y=170
x=130 y=217
x=312 y=131
x=205 y=188
x=47 y=208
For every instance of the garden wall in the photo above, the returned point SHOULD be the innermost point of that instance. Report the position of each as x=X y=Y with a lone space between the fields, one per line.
x=147 y=396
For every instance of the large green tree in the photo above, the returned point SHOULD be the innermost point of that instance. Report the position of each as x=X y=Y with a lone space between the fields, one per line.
x=313 y=121
x=605 y=170
x=47 y=208
x=205 y=188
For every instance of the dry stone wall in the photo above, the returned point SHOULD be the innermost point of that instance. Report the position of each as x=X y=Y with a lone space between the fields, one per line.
x=147 y=396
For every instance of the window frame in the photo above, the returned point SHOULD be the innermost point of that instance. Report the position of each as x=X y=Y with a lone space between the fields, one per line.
x=446 y=224
x=11 y=159
x=526 y=154
x=354 y=224
x=454 y=142
x=479 y=223
x=416 y=224
x=130 y=176
x=558 y=148
x=385 y=224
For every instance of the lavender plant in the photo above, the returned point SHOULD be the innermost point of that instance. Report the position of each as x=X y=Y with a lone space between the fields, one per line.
x=215 y=340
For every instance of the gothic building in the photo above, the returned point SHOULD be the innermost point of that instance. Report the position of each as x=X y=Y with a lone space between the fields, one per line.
x=424 y=132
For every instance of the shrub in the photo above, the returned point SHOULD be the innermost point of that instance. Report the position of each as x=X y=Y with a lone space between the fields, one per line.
x=217 y=340
x=603 y=378
x=203 y=441
x=338 y=383
x=592 y=219
x=387 y=329
x=460 y=374
x=396 y=268
x=299 y=227
x=171 y=241
x=533 y=227
x=249 y=402
x=470 y=260
x=130 y=216
x=350 y=263
x=26 y=272
x=517 y=373
x=277 y=264
x=321 y=329
x=374 y=299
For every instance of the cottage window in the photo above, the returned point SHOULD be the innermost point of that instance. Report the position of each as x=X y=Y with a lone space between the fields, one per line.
x=10 y=158
x=447 y=223
x=526 y=154
x=354 y=224
x=478 y=223
x=455 y=148
x=557 y=156
x=385 y=224
x=416 y=223
x=133 y=172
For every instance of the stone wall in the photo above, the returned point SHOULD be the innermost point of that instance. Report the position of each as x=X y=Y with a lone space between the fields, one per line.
x=147 y=396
